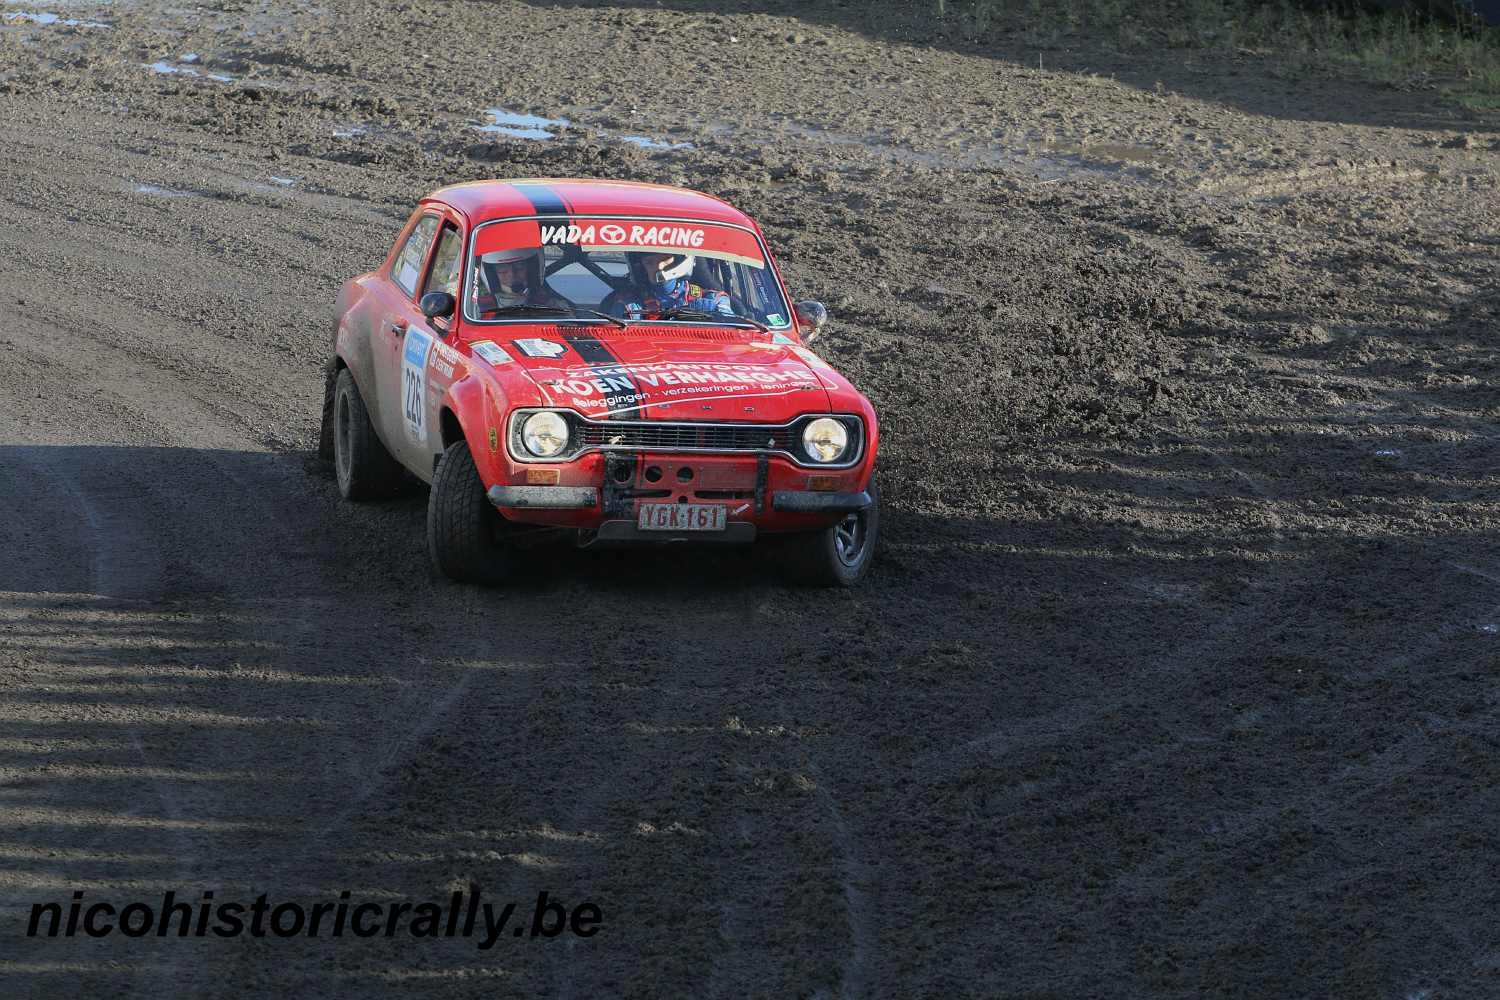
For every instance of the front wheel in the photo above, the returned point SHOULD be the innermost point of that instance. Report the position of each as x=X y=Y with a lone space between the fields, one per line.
x=464 y=530
x=837 y=556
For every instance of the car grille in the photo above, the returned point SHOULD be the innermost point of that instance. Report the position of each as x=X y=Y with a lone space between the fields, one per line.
x=669 y=436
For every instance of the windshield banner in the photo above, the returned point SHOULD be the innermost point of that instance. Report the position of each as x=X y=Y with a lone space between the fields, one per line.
x=593 y=235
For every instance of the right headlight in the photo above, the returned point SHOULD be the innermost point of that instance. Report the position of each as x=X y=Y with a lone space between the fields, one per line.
x=545 y=434
x=825 y=439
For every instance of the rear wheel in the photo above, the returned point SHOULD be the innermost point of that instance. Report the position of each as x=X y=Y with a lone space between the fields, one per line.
x=365 y=469
x=837 y=556
x=464 y=530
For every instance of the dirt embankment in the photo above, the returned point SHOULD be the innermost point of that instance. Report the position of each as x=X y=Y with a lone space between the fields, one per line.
x=1175 y=676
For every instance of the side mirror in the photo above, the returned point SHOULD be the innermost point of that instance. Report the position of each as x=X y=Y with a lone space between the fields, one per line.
x=811 y=315
x=437 y=305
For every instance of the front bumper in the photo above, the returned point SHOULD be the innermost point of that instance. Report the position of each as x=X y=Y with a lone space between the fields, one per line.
x=604 y=493
x=809 y=502
x=545 y=497
x=587 y=498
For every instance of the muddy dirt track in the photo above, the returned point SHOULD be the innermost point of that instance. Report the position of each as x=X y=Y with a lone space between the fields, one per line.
x=1177 y=675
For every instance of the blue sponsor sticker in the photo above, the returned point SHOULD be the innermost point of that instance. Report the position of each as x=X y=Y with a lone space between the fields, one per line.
x=414 y=383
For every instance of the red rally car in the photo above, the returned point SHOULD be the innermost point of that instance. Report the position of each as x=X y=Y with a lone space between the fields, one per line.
x=618 y=361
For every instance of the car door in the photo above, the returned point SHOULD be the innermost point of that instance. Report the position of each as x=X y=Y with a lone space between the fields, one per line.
x=420 y=364
x=399 y=346
x=426 y=387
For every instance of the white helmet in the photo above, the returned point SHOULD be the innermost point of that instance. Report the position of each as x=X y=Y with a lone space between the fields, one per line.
x=681 y=269
x=514 y=292
x=677 y=265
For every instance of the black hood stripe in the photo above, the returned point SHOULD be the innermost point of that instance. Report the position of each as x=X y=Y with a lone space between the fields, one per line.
x=597 y=355
x=594 y=352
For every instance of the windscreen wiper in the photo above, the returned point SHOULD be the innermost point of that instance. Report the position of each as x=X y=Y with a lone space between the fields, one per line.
x=685 y=312
x=617 y=321
x=531 y=310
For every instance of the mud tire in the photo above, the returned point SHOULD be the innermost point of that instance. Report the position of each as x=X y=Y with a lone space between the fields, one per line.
x=364 y=468
x=839 y=555
x=465 y=533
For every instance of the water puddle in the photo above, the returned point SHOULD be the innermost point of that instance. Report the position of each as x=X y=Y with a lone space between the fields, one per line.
x=1048 y=160
x=164 y=192
x=504 y=122
x=647 y=143
x=1103 y=151
x=50 y=19
x=171 y=69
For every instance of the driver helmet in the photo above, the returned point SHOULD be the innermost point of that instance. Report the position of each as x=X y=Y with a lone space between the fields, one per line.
x=515 y=273
x=661 y=273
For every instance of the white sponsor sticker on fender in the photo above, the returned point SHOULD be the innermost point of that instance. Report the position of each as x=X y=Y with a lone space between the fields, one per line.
x=536 y=347
x=491 y=352
x=414 y=383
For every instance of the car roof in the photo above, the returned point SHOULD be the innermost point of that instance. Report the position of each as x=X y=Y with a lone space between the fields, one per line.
x=481 y=201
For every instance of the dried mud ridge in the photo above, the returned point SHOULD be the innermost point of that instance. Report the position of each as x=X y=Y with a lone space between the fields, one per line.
x=1176 y=673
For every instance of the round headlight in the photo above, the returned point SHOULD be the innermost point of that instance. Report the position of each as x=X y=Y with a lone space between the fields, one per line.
x=825 y=439
x=545 y=434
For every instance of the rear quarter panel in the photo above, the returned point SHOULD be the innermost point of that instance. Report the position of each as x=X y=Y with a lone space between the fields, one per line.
x=358 y=310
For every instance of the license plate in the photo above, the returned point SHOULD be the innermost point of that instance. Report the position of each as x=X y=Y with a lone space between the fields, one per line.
x=682 y=517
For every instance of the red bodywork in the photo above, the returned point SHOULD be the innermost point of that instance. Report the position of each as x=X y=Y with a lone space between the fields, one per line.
x=426 y=386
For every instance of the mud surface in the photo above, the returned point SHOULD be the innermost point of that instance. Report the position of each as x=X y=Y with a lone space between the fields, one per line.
x=1177 y=673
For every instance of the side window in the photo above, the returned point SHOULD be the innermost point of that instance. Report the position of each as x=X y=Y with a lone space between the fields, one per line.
x=444 y=276
x=407 y=270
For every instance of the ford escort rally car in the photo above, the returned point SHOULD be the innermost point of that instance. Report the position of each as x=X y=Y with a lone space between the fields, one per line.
x=617 y=361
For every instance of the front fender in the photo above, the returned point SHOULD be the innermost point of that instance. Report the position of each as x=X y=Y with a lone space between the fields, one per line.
x=477 y=407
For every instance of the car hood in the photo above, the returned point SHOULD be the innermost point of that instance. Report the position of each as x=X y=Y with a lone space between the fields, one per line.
x=708 y=374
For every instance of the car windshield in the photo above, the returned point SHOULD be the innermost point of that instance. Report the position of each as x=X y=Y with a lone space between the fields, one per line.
x=662 y=270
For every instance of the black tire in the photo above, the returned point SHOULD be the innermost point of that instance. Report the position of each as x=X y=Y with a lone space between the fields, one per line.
x=464 y=530
x=365 y=470
x=837 y=556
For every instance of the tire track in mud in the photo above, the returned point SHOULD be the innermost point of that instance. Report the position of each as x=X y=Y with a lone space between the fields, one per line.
x=1227 y=631
x=1284 y=183
x=857 y=883
x=1324 y=800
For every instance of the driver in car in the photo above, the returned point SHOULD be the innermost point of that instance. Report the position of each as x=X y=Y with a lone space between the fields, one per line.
x=663 y=283
x=513 y=278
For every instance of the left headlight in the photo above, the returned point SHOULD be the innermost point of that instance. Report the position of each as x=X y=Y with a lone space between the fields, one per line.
x=825 y=439
x=545 y=434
